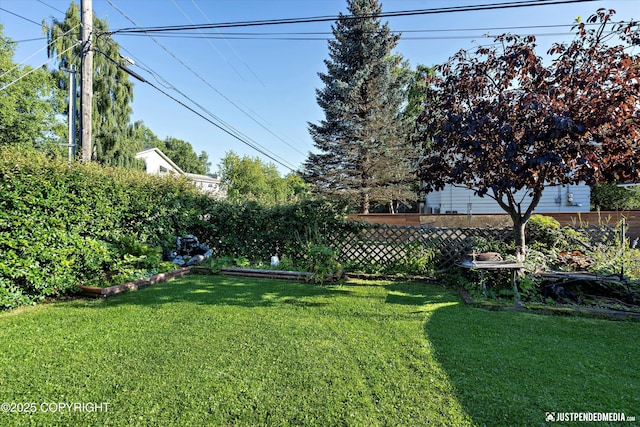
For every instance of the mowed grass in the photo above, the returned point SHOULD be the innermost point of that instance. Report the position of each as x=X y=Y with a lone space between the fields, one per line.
x=216 y=350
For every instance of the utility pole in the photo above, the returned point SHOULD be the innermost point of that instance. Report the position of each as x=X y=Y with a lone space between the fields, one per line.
x=86 y=82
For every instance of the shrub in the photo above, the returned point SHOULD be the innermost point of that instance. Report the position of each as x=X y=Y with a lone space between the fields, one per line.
x=257 y=232
x=322 y=262
x=64 y=224
x=545 y=231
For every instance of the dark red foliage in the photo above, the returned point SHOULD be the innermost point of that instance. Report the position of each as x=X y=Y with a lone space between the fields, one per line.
x=503 y=119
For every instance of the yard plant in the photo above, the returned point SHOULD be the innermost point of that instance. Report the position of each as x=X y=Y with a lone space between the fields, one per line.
x=63 y=225
x=217 y=350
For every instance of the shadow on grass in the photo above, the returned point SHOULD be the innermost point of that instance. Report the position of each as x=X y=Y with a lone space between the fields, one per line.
x=512 y=369
x=416 y=294
x=226 y=290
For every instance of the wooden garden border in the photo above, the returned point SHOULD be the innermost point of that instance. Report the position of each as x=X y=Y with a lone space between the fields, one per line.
x=95 y=292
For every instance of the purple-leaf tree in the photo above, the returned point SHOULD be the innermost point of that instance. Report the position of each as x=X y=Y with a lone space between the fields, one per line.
x=504 y=122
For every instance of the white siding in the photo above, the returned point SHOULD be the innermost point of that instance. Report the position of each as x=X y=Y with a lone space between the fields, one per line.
x=208 y=185
x=156 y=164
x=571 y=198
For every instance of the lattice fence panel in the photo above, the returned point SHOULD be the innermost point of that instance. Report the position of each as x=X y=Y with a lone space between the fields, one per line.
x=388 y=245
x=601 y=234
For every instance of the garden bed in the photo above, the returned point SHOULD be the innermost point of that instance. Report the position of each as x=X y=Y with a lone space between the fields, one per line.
x=269 y=274
x=304 y=276
x=96 y=292
x=557 y=309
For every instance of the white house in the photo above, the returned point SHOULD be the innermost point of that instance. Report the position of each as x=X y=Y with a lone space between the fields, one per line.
x=208 y=184
x=158 y=163
x=565 y=198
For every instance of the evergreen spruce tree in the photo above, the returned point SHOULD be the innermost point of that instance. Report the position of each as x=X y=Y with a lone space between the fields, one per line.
x=361 y=147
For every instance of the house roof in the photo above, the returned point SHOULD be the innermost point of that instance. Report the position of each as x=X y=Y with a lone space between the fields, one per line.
x=192 y=176
x=144 y=153
x=202 y=178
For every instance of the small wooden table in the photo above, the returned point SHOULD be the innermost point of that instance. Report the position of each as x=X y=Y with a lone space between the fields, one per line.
x=483 y=266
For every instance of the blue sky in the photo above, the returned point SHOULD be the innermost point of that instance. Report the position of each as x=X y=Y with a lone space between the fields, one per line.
x=262 y=87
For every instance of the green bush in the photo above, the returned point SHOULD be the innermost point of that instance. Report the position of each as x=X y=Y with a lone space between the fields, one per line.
x=64 y=224
x=544 y=231
x=322 y=262
x=257 y=232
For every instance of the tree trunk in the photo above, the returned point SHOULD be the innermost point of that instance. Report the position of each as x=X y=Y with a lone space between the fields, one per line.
x=519 y=219
x=519 y=224
x=364 y=207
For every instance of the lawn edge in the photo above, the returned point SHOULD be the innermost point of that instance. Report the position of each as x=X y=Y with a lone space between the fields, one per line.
x=560 y=310
x=95 y=292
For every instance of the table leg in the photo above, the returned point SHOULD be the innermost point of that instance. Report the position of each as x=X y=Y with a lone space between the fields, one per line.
x=515 y=288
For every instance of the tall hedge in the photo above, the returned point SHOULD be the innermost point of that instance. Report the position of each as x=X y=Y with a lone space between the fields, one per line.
x=257 y=231
x=57 y=220
x=59 y=223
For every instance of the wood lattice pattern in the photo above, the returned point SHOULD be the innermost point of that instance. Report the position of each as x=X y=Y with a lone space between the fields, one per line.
x=388 y=245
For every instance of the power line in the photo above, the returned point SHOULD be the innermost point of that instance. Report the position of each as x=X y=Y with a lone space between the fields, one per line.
x=209 y=41
x=229 y=45
x=20 y=16
x=451 y=9
x=400 y=31
x=324 y=39
x=34 y=69
x=34 y=54
x=222 y=128
x=54 y=8
x=297 y=35
x=211 y=86
x=37 y=39
x=221 y=124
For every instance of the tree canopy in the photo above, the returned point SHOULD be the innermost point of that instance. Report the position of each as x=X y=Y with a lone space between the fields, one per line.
x=112 y=89
x=27 y=101
x=501 y=119
x=361 y=146
x=249 y=178
x=181 y=152
x=610 y=197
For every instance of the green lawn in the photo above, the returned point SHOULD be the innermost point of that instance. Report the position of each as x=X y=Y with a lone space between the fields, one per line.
x=216 y=350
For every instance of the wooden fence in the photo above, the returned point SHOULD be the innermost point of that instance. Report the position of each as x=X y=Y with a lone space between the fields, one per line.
x=609 y=218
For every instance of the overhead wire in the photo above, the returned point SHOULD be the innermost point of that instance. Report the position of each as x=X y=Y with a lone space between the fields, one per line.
x=212 y=87
x=22 y=64
x=286 y=21
x=213 y=119
x=52 y=7
x=209 y=42
x=400 y=31
x=34 y=69
x=324 y=39
x=20 y=16
x=229 y=45
x=292 y=36
x=229 y=130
